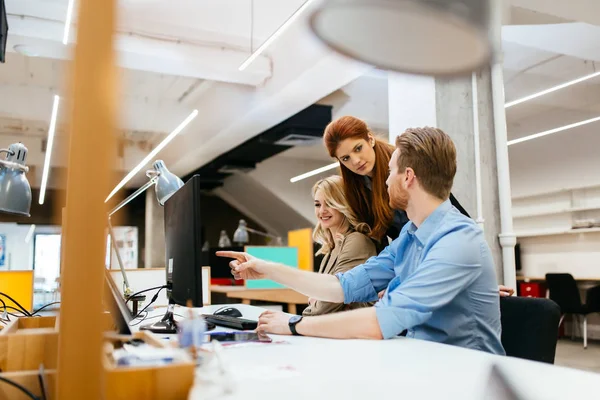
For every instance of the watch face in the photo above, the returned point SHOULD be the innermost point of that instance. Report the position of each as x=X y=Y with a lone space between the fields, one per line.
x=295 y=319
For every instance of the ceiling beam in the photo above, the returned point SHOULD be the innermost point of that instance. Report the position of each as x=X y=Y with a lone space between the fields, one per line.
x=217 y=62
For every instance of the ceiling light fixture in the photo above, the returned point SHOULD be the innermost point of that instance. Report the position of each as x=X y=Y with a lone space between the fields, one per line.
x=275 y=35
x=552 y=131
x=49 y=145
x=153 y=153
x=314 y=172
x=68 y=22
x=550 y=90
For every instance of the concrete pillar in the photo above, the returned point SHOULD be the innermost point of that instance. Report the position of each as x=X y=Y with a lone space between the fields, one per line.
x=154 y=253
x=448 y=104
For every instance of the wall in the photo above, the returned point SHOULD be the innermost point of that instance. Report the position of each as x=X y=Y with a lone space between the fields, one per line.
x=565 y=160
x=19 y=254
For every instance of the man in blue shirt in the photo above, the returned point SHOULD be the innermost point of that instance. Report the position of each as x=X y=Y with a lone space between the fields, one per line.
x=439 y=273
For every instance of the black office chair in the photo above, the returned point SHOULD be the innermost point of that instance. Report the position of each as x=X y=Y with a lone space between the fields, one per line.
x=529 y=327
x=564 y=291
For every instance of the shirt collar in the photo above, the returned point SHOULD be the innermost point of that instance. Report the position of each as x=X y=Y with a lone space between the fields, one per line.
x=430 y=224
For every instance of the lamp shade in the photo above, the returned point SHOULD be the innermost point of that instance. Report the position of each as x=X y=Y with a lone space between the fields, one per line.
x=431 y=37
x=167 y=183
x=15 y=192
x=241 y=233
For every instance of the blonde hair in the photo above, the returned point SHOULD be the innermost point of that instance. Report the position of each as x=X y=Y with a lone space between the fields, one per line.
x=333 y=191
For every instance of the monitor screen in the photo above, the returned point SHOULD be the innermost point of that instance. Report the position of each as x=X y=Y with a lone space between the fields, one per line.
x=183 y=241
x=219 y=266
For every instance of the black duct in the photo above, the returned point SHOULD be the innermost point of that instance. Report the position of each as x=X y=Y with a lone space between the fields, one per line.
x=304 y=128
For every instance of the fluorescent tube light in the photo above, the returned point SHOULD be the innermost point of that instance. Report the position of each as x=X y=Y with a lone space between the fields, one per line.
x=550 y=90
x=275 y=35
x=551 y=131
x=49 y=145
x=153 y=153
x=314 y=172
x=30 y=233
x=68 y=22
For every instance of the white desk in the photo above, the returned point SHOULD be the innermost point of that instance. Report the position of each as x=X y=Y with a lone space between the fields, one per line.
x=367 y=369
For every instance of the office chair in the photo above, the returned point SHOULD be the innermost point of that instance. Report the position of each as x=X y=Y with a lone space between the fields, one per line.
x=564 y=291
x=529 y=327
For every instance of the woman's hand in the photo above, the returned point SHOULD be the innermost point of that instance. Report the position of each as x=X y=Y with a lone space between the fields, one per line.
x=245 y=266
x=275 y=322
x=380 y=294
x=505 y=291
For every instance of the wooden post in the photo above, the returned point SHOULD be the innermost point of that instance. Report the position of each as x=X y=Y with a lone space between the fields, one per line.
x=92 y=130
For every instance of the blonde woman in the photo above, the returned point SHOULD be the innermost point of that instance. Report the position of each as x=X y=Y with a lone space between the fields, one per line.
x=344 y=240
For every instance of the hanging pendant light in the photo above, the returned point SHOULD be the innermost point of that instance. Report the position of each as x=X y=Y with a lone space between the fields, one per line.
x=430 y=37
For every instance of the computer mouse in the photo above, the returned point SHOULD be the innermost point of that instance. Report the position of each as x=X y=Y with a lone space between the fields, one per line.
x=229 y=311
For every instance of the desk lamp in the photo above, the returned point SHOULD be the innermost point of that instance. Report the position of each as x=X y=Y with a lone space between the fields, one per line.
x=431 y=37
x=15 y=192
x=167 y=184
x=241 y=237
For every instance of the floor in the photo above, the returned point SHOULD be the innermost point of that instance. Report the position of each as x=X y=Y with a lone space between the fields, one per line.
x=572 y=354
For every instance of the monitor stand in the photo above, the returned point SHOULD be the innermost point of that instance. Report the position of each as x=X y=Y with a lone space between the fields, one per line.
x=166 y=325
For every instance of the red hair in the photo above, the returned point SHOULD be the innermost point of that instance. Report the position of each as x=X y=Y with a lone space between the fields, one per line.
x=370 y=206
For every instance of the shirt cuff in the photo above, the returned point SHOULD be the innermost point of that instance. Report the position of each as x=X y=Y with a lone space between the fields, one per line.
x=388 y=320
x=357 y=286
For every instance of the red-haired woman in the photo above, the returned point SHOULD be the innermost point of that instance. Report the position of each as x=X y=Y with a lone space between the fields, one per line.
x=364 y=162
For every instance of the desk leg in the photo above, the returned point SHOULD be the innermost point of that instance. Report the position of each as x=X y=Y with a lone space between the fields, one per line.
x=291 y=308
x=245 y=301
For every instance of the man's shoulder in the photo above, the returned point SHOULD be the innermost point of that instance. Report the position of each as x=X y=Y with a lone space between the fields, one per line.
x=459 y=233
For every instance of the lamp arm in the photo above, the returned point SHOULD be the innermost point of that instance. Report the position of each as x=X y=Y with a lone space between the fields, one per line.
x=133 y=195
x=122 y=204
x=13 y=165
x=127 y=290
x=261 y=233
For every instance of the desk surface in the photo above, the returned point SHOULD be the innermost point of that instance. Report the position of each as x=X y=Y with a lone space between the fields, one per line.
x=306 y=367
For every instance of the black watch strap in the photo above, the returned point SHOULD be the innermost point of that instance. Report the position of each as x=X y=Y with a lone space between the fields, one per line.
x=292 y=324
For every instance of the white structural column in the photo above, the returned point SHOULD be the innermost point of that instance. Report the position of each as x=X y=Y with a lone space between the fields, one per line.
x=155 y=248
x=416 y=101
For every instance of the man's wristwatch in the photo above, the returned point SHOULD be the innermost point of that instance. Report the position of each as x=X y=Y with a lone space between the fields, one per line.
x=293 y=322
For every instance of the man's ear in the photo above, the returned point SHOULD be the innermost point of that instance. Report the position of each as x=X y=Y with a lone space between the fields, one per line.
x=409 y=173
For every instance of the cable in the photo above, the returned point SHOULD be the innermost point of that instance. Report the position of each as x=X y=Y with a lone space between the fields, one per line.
x=141 y=320
x=17 y=303
x=5 y=310
x=21 y=388
x=144 y=291
x=42 y=307
x=151 y=301
x=146 y=317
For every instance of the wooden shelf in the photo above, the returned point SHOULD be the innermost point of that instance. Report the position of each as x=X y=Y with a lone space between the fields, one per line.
x=559 y=211
x=565 y=190
x=552 y=232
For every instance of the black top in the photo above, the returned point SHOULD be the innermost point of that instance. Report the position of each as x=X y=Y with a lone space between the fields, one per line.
x=400 y=218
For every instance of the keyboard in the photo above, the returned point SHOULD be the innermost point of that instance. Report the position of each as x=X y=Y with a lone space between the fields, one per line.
x=231 y=322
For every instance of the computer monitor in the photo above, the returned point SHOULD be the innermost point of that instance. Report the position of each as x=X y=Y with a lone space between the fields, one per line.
x=3 y=31
x=183 y=252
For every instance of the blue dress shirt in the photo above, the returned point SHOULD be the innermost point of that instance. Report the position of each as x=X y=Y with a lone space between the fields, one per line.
x=441 y=283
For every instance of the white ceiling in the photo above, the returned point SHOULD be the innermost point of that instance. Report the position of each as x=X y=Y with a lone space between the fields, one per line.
x=180 y=55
